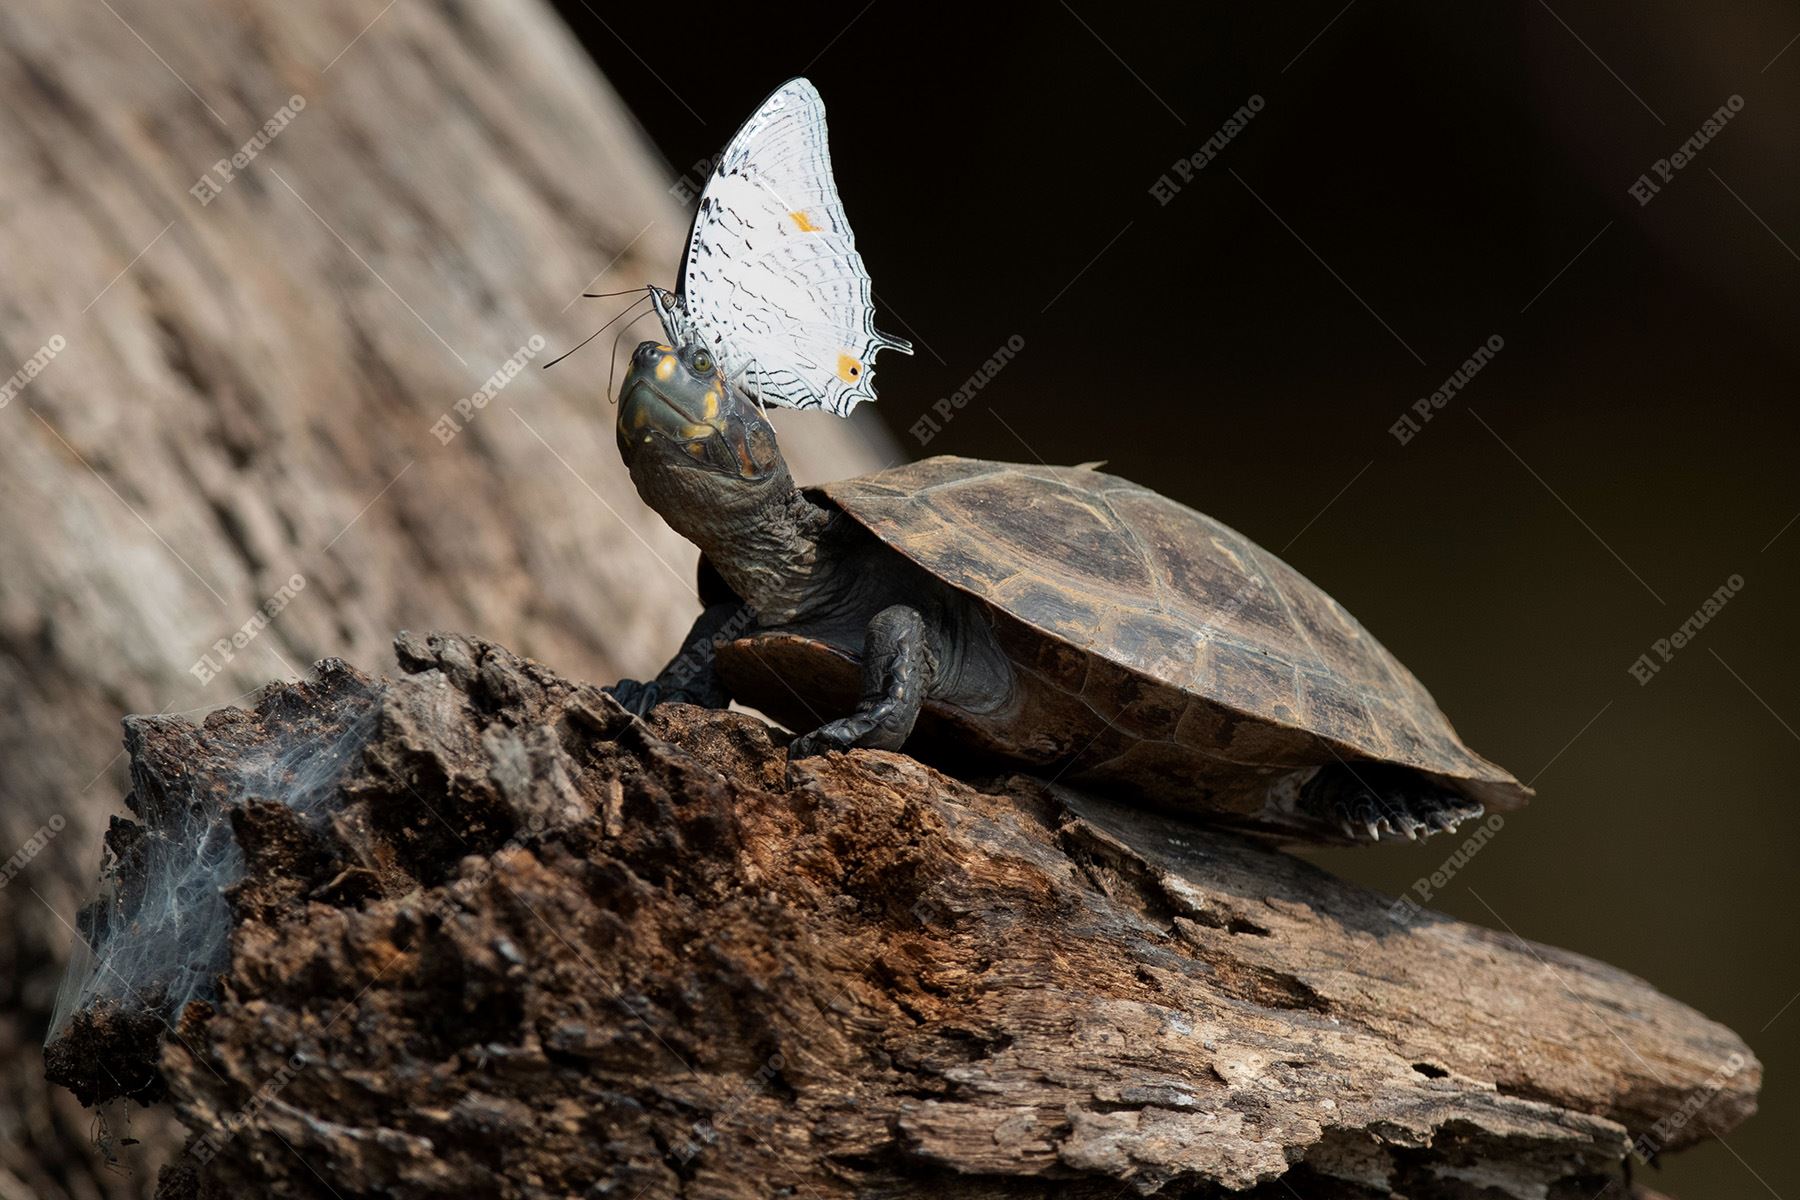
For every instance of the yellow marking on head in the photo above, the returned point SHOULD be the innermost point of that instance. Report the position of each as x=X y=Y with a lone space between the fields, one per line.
x=665 y=366
x=849 y=368
x=691 y=433
x=710 y=406
x=802 y=223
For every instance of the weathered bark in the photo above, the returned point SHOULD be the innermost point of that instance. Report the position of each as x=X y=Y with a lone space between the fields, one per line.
x=520 y=943
x=246 y=393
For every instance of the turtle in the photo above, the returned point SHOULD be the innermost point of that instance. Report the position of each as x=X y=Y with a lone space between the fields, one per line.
x=1057 y=620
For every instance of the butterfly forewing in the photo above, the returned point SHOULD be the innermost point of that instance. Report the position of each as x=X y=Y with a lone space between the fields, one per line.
x=772 y=276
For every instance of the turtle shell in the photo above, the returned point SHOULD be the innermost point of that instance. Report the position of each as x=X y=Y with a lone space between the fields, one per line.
x=1180 y=649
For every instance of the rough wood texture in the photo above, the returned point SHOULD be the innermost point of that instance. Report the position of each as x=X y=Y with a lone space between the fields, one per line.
x=534 y=946
x=247 y=389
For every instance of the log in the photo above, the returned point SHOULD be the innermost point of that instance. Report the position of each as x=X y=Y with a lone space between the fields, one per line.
x=243 y=399
x=492 y=935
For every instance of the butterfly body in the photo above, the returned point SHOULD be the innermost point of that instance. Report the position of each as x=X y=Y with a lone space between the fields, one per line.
x=771 y=280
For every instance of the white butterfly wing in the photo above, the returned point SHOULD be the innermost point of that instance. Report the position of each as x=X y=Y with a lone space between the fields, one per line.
x=771 y=275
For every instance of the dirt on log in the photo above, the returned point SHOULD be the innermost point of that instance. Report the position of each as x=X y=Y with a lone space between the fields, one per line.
x=491 y=935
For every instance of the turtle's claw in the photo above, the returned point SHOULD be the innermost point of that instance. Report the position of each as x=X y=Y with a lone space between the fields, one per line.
x=833 y=735
x=1441 y=813
x=1393 y=813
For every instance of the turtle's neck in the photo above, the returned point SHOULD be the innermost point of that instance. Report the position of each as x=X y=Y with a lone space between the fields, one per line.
x=764 y=538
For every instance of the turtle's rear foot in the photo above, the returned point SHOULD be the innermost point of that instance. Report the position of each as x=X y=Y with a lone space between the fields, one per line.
x=1378 y=800
x=636 y=696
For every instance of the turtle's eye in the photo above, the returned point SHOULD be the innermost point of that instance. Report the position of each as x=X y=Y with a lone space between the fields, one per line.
x=703 y=362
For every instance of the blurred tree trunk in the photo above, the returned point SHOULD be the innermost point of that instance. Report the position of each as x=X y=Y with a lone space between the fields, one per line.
x=233 y=379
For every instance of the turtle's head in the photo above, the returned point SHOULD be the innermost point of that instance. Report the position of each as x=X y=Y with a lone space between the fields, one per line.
x=704 y=458
x=676 y=410
x=699 y=453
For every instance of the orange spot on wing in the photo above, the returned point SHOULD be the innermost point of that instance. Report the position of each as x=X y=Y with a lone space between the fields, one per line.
x=849 y=369
x=802 y=223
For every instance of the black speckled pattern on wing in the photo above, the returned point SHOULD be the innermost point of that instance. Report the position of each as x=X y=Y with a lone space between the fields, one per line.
x=1137 y=580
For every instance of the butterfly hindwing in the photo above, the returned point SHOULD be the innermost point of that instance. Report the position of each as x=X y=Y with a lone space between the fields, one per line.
x=772 y=276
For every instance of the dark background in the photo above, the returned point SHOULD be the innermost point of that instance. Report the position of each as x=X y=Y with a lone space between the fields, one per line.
x=1421 y=177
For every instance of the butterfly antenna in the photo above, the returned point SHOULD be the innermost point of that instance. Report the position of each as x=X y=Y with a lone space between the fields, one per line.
x=605 y=295
x=590 y=337
x=614 y=366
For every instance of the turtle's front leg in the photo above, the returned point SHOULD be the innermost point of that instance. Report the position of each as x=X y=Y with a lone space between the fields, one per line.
x=897 y=672
x=689 y=677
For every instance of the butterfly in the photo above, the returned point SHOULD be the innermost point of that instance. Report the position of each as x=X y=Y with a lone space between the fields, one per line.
x=771 y=278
